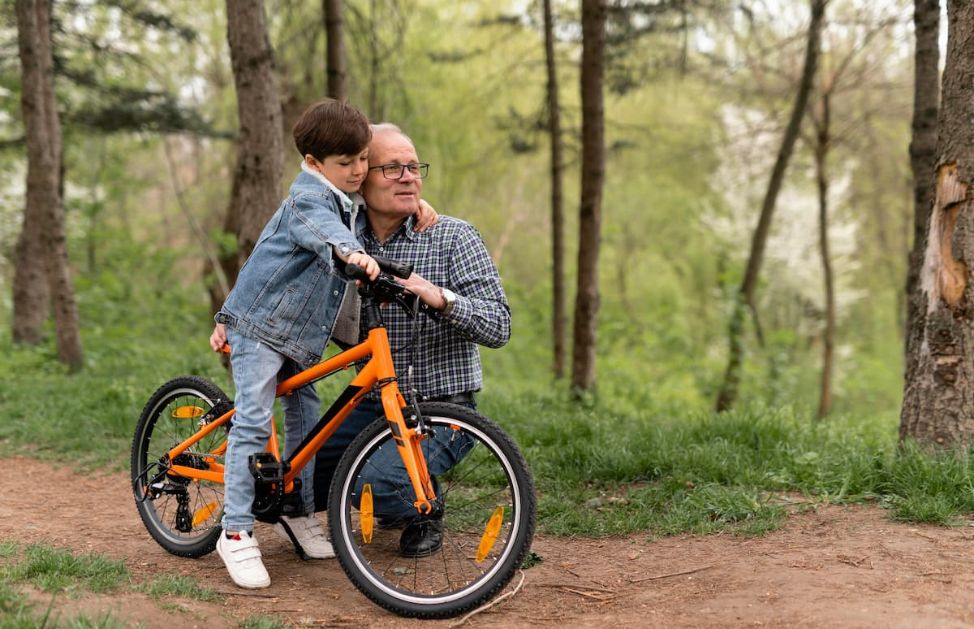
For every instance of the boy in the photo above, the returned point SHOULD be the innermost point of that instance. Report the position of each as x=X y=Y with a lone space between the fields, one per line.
x=280 y=315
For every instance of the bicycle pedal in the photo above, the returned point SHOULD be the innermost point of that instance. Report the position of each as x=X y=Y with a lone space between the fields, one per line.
x=267 y=469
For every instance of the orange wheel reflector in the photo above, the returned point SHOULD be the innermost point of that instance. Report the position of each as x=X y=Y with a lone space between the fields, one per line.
x=490 y=534
x=187 y=412
x=203 y=513
x=366 y=513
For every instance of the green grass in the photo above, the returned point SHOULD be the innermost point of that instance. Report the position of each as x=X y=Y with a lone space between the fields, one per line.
x=262 y=622
x=644 y=455
x=60 y=572
x=173 y=585
x=51 y=570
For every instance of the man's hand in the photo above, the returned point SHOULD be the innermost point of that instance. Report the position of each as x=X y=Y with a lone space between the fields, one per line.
x=429 y=293
x=365 y=261
x=219 y=337
x=425 y=217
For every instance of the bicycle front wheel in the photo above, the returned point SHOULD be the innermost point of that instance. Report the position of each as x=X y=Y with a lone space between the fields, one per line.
x=182 y=514
x=482 y=524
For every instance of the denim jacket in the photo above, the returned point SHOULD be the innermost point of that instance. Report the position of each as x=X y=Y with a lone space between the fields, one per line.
x=288 y=292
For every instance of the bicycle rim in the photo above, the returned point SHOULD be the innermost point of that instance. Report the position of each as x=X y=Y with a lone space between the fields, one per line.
x=172 y=416
x=487 y=506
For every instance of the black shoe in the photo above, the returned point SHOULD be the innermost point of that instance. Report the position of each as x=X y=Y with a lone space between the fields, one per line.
x=421 y=538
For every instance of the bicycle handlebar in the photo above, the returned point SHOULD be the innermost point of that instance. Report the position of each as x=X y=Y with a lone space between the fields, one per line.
x=388 y=265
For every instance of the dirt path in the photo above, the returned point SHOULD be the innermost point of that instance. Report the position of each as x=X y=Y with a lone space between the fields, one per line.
x=831 y=566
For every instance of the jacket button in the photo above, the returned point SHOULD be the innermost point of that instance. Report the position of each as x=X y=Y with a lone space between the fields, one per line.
x=335 y=293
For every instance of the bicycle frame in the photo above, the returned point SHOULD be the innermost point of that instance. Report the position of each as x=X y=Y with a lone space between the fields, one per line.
x=379 y=370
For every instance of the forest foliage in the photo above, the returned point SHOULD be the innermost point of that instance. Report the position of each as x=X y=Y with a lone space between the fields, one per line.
x=695 y=103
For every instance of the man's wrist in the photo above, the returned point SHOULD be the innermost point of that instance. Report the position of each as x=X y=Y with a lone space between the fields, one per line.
x=449 y=300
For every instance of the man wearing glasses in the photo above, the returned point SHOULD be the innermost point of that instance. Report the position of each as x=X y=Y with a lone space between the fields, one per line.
x=454 y=275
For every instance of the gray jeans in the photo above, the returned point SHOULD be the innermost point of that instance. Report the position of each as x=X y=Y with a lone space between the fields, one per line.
x=257 y=369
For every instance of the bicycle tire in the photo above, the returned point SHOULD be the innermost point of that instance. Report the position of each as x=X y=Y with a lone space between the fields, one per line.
x=173 y=414
x=490 y=484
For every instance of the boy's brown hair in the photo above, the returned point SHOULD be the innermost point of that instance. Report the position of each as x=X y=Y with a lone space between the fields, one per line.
x=331 y=127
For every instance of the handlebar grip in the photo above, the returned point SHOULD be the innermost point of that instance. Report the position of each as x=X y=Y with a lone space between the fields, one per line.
x=356 y=272
x=394 y=267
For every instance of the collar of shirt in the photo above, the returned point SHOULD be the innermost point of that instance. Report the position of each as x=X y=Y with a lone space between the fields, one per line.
x=347 y=204
x=406 y=230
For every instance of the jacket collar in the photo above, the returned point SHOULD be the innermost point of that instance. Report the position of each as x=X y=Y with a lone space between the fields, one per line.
x=347 y=203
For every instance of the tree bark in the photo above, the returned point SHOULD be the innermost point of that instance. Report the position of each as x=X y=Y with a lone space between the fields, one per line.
x=923 y=153
x=590 y=207
x=745 y=298
x=335 y=47
x=822 y=145
x=43 y=132
x=938 y=397
x=30 y=288
x=255 y=192
x=558 y=318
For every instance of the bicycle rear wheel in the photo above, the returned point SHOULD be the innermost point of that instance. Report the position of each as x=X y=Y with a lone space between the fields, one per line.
x=182 y=514
x=485 y=510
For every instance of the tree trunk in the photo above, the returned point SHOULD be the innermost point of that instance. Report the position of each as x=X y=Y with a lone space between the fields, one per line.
x=938 y=398
x=43 y=132
x=745 y=298
x=590 y=207
x=923 y=153
x=31 y=297
x=375 y=65
x=255 y=192
x=30 y=287
x=822 y=145
x=557 y=203
x=335 y=47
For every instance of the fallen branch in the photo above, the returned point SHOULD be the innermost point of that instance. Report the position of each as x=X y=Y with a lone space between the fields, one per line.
x=245 y=593
x=490 y=604
x=573 y=585
x=593 y=594
x=672 y=574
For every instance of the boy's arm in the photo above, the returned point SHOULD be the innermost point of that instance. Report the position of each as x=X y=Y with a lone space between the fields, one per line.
x=315 y=225
x=425 y=217
x=219 y=337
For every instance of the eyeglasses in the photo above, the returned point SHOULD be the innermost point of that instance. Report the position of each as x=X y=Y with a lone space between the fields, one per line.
x=396 y=171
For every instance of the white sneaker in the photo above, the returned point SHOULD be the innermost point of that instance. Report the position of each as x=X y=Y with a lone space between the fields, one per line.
x=307 y=536
x=241 y=556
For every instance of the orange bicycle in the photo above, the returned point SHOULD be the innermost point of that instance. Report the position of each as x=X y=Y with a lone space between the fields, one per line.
x=481 y=492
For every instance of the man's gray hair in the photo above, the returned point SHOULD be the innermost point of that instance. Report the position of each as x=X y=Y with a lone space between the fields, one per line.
x=388 y=127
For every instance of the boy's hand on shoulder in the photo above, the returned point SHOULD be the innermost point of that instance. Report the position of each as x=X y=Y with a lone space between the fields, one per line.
x=365 y=261
x=425 y=217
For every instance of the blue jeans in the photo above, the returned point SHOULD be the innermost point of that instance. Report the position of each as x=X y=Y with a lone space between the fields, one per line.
x=257 y=369
x=391 y=488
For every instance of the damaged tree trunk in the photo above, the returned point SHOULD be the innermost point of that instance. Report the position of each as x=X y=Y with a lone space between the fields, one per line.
x=938 y=399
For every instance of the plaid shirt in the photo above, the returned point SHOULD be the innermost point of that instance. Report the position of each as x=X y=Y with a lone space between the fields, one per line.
x=451 y=254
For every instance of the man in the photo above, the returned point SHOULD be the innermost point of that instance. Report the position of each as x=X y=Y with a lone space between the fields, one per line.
x=454 y=275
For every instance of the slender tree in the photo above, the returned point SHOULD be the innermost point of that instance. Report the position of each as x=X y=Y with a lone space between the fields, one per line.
x=938 y=398
x=557 y=199
x=44 y=211
x=746 y=293
x=923 y=149
x=590 y=207
x=335 y=49
x=255 y=192
x=823 y=142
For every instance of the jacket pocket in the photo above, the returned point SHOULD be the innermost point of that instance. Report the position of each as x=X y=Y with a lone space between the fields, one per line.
x=282 y=311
